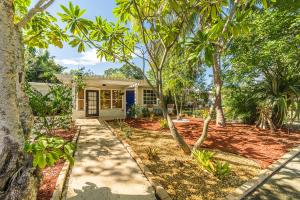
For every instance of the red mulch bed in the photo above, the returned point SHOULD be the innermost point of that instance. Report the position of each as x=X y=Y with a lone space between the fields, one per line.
x=50 y=174
x=246 y=140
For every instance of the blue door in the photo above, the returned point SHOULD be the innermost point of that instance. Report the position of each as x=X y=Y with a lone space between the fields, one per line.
x=129 y=99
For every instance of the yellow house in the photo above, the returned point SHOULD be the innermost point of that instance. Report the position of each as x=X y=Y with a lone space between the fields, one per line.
x=108 y=98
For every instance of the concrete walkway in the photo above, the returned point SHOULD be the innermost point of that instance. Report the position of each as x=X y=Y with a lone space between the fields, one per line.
x=284 y=185
x=103 y=169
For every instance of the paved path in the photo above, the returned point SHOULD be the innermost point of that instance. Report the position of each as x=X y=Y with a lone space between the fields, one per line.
x=284 y=185
x=103 y=169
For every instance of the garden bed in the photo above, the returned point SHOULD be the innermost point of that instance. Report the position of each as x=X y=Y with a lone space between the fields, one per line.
x=50 y=174
x=178 y=173
x=246 y=140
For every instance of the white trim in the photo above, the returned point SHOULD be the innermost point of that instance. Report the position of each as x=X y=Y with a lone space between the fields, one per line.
x=156 y=104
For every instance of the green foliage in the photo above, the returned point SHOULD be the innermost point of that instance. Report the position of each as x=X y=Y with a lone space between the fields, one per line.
x=40 y=66
x=125 y=71
x=58 y=101
x=240 y=104
x=138 y=111
x=52 y=109
x=222 y=169
x=78 y=76
x=205 y=159
x=163 y=124
x=269 y=73
x=46 y=151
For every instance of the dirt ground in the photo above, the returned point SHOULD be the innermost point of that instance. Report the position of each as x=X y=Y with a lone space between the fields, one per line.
x=246 y=140
x=50 y=174
x=178 y=173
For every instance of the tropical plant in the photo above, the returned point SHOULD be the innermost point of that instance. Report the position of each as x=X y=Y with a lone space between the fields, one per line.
x=52 y=109
x=46 y=151
x=205 y=159
x=222 y=169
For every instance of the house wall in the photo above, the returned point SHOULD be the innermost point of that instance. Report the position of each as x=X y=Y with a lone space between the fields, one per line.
x=106 y=114
x=140 y=95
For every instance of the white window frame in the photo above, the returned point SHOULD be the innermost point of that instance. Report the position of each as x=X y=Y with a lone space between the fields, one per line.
x=156 y=100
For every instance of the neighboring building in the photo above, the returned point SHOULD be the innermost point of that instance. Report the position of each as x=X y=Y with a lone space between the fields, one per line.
x=108 y=98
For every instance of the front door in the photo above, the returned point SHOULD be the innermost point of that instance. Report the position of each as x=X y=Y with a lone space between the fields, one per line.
x=92 y=103
x=129 y=99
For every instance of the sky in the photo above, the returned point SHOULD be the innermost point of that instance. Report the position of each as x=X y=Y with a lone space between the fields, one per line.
x=68 y=56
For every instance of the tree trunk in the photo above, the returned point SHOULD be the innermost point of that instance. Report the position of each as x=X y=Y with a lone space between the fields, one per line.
x=176 y=106
x=183 y=145
x=205 y=129
x=220 y=119
x=16 y=175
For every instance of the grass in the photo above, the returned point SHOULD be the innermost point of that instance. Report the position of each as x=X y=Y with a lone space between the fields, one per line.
x=179 y=174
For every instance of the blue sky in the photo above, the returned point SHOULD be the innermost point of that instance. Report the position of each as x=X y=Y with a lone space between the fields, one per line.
x=69 y=57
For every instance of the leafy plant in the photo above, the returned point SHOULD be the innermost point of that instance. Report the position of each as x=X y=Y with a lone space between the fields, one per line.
x=152 y=153
x=46 y=151
x=163 y=123
x=205 y=159
x=52 y=109
x=222 y=169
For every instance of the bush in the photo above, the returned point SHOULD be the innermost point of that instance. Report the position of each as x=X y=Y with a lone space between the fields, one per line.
x=205 y=159
x=240 y=105
x=222 y=169
x=138 y=111
x=163 y=124
x=46 y=151
x=52 y=110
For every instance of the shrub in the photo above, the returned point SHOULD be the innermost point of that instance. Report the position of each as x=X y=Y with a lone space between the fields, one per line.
x=163 y=124
x=222 y=169
x=46 y=151
x=152 y=153
x=205 y=159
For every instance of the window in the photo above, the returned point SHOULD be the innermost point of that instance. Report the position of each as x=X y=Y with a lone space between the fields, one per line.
x=110 y=99
x=105 y=99
x=116 y=99
x=80 y=100
x=149 y=97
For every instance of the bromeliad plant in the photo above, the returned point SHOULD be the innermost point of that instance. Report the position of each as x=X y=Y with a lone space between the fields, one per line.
x=205 y=159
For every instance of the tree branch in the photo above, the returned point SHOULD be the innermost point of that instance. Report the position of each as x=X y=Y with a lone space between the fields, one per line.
x=143 y=32
x=40 y=6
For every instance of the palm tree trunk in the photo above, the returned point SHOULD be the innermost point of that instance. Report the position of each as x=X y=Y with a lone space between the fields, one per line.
x=16 y=175
x=220 y=119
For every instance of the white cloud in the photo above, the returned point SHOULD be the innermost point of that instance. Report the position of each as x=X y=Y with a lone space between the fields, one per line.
x=85 y=58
